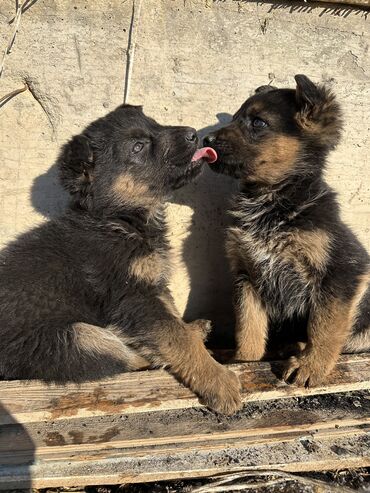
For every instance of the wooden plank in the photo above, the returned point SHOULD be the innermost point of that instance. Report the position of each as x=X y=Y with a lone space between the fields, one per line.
x=265 y=417
x=188 y=446
x=157 y=390
x=350 y=448
x=145 y=426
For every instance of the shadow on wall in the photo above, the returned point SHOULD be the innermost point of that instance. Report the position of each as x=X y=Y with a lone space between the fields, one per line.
x=47 y=195
x=322 y=8
x=203 y=250
x=17 y=452
x=204 y=255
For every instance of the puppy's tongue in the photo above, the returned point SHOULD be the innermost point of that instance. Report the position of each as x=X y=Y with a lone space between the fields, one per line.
x=207 y=153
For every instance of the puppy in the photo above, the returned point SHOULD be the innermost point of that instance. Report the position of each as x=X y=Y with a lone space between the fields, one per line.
x=292 y=256
x=86 y=295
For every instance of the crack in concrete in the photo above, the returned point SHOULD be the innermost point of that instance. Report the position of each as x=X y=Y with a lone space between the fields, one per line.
x=45 y=102
x=356 y=62
x=78 y=52
x=350 y=62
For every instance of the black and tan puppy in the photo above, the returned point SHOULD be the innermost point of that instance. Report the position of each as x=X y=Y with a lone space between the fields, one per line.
x=292 y=256
x=85 y=296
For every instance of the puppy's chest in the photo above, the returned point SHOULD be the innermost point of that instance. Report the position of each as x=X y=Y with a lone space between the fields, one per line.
x=150 y=260
x=280 y=264
x=135 y=262
x=150 y=265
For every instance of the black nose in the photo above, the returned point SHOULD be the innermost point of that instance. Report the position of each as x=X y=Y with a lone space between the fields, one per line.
x=191 y=135
x=209 y=139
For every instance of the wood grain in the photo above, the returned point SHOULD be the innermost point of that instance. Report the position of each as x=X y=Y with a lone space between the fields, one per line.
x=145 y=426
x=157 y=390
x=173 y=427
x=350 y=448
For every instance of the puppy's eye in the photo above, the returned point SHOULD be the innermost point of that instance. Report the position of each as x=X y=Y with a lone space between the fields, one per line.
x=138 y=147
x=259 y=123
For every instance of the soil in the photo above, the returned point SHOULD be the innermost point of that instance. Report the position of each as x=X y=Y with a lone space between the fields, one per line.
x=355 y=479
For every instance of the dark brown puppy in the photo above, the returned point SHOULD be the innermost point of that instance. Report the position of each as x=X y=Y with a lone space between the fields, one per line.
x=86 y=295
x=291 y=254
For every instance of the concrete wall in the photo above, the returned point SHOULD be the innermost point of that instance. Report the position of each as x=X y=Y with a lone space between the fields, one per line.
x=195 y=62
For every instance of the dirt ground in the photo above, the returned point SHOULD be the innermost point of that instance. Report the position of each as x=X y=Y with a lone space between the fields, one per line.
x=358 y=480
x=333 y=481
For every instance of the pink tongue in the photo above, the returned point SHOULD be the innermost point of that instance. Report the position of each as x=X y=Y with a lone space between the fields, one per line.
x=207 y=153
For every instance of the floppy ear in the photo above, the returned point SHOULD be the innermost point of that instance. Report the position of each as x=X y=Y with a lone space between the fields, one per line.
x=76 y=163
x=318 y=111
x=266 y=88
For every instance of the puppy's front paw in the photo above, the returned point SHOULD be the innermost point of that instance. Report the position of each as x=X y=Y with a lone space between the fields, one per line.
x=305 y=370
x=223 y=392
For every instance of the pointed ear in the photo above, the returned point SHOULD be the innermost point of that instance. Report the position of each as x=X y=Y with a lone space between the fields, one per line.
x=307 y=93
x=266 y=88
x=319 y=113
x=76 y=163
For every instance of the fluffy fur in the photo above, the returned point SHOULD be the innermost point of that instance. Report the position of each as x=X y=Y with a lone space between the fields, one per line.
x=86 y=295
x=295 y=262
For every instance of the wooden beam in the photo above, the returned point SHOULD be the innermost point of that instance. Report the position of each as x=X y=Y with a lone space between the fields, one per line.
x=156 y=390
x=85 y=436
x=347 y=449
x=145 y=426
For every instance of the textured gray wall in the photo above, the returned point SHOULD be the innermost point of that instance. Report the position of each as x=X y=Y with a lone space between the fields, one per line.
x=193 y=60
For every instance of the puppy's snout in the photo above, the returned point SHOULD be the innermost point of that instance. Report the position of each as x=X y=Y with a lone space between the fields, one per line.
x=191 y=135
x=209 y=140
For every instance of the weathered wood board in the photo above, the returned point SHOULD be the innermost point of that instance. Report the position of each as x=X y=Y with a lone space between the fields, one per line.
x=146 y=426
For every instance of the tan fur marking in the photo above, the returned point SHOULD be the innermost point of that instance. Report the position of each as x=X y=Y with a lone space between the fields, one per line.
x=106 y=341
x=184 y=351
x=307 y=247
x=234 y=247
x=129 y=190
x=256 y=107
x=362 y=287
x=323 y=120
x=251 y=325
x=169 y=304
x=300 y=248
x=150 y=269
x=325 y=134
x=314 y=245
x=360 y=342
x=277 y=157
x=328 y=328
